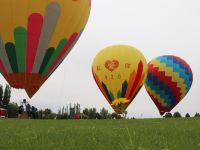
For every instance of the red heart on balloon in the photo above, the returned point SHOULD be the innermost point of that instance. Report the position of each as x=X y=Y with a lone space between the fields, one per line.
x=111 y=65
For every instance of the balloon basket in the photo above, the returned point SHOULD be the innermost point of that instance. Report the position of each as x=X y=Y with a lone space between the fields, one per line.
x=24 y=115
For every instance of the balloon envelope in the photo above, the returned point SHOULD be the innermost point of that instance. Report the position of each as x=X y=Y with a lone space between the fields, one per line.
x=35 y=37
x=169 y=79
x=119 y=72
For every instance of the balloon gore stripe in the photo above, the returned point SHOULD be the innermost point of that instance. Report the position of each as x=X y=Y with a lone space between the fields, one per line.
x=35 y=22
x=20 y=36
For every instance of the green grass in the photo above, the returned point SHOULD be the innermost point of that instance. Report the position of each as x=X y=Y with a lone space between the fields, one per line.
x=146 y=134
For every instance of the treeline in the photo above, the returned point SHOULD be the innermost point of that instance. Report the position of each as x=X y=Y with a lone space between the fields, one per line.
x=178 y=115
x=87 y=113
x=92 y=113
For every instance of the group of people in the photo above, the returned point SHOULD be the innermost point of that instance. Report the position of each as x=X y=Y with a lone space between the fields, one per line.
x=26 y=107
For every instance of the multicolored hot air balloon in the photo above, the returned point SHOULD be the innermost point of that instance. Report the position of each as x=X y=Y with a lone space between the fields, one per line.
x=35 y=37
x=168 y=80
x=119 y=72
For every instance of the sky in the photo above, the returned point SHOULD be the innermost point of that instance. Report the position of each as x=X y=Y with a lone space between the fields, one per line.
x=156 y=27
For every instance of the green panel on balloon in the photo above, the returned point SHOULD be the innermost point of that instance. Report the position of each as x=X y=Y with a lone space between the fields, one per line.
x=119 y=94
x=20 y=46
x=46 y=59
x=11 y=53
x=55 y=55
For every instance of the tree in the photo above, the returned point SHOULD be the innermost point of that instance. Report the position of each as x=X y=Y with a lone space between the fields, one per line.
x=47 y=112
x=116 y=116
x=109 y=116
x=98 y=116
x=64 y=116
x=1 y=95
x=85 y=113
x=177 y=115
x=40 y=114
x=6 y=96
x=168 y=115
x=92 y=113
x=197 y=115
x=52 y=116
x=62 y=113
x=12 y=109
x=187 y=115
x=78 y=109
x=104 y=113
x=59 y=114
x=84 y=116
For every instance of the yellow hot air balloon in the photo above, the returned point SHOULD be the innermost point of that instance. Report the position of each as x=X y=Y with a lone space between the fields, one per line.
x=119 y=72
x=35 y=37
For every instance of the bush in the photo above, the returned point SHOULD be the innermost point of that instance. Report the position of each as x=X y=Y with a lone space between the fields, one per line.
x=84 y=116
x=197 y=115
x=12 y=109
x=52 y=116
x=168 y=115
x=177 y=115
x=187 y=115
x=98 y=116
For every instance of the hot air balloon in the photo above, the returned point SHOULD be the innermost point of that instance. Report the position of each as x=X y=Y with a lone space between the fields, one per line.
x=169 y=79
x=35 y=37
x=119 y=72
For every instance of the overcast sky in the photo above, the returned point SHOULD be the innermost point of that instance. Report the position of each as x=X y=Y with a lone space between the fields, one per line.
x=155 y=27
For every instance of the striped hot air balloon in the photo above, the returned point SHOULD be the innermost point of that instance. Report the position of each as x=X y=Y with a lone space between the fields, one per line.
x=119 y=72
x=35 y=37
x=169 y=79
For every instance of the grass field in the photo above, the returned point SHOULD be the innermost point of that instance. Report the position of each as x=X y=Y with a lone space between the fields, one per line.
x=153 y=134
